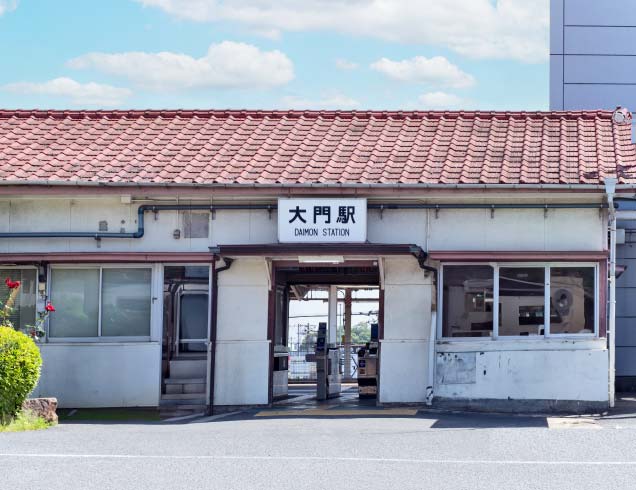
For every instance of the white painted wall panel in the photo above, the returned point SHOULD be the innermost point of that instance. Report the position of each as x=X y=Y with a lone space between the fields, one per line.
x=535 y=374
x=404 y=226
x=241 y=373
x=602 y=13
x=242 y=313
x=452 y=230
x=407 y=312
x=245 y=272
x=101 y=375
x=404 y=368
x=404 y=270
x=574 y=229
x=242 y=227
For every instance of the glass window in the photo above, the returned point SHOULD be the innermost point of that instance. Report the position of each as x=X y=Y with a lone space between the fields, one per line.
x=75 y=294
x=572 y=300
x=467 y=301
x=126 y=302
x=521 y=301
x=24 y=298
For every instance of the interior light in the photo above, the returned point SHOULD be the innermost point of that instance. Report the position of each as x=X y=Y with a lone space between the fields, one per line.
x=321 y=259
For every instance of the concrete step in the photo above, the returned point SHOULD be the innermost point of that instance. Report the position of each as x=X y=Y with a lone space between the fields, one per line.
x=188 y=368
x=174 y=381
x=191 y=407
x=184 y=385
x=182 y=396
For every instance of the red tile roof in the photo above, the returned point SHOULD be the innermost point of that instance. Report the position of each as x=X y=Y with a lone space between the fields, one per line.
x=302 y=147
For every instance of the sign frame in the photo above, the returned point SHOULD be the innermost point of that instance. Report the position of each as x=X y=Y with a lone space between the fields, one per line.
x=322 y=220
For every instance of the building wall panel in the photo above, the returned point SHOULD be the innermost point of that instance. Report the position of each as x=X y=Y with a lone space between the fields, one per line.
x=572 y=375
x=90 y=375
x=241 y=373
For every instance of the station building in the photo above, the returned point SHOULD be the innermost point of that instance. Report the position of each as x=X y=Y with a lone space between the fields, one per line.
x=168 y=242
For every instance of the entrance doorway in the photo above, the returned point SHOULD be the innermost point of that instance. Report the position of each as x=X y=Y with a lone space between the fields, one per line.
x=186 y=323
x=345 y=302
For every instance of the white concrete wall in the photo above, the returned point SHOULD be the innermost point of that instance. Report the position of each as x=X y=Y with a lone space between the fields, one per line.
x=104 y=375
x=508 y=230
x=89 y=375
x=538 y=370
x=404 y=352
x=243 y=351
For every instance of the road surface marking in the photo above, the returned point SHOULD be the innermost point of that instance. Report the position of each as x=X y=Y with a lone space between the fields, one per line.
x=572 y=423
x=319 y=459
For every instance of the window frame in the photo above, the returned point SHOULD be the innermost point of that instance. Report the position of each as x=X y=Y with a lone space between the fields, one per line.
x=100 y=338
x=38 y=304
x=547 y=266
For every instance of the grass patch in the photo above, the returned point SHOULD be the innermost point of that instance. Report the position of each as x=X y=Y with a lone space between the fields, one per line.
x=25 y=420
x=109 y=415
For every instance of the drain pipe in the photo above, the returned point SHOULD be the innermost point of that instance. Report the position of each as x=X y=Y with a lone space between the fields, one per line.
x=421 y=256
x=610 y=189
x=213 y=325
x=156 y=208
x=141 y=211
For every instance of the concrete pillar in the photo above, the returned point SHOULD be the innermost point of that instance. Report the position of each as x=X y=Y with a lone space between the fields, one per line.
x=332 y=326
x=347 y=334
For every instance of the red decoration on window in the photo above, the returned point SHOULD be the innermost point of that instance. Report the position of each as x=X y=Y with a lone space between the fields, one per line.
x=49 y=307
x=11 y=284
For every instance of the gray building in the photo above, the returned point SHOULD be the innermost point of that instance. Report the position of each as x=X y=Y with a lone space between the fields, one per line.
x=593 y=66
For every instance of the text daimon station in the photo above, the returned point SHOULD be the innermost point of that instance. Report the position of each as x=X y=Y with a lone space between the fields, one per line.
x=322 y=220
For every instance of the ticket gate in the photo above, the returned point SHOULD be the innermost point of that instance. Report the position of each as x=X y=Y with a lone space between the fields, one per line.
x=329 y=377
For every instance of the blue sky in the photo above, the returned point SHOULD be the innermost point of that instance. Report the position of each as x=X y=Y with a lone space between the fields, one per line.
x=314 y=54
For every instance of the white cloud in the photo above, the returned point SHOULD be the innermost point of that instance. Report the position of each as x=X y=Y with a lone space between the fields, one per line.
x=346 y=65
x=90 y=94
x=496 y=29
x=225 y=65
x=8 y=6
x=437 y=71
x=328 y=102
x=441 y=100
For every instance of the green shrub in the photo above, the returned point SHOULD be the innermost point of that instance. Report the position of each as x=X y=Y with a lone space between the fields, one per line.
x=20 y=363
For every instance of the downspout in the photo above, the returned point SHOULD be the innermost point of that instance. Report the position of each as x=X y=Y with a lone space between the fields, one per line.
x=421 y=256
x=610 y=189
x=213 y=325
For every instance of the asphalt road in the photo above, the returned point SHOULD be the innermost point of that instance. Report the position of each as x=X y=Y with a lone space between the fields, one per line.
x=436 y=451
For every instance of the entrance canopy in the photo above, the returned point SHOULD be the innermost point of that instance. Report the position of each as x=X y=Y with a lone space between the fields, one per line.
x=320 y=250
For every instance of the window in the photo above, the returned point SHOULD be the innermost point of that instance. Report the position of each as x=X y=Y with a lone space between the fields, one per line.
x=523 y=294
x=23 y=312
x=468 y=300
x=572 y=300
x=100 y=302
x=521 y=300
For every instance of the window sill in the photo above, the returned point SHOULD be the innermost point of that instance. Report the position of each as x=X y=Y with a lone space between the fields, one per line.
x=521 y=344
x=101 y=342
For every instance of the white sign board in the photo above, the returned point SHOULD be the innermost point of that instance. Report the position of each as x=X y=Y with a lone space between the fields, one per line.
x=322 y=220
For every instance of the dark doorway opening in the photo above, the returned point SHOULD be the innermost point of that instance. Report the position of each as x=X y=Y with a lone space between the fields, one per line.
x=300 y=303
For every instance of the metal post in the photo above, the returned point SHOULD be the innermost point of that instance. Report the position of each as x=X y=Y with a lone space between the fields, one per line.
x=332 y=326
x=610 y=188
x=347 y=334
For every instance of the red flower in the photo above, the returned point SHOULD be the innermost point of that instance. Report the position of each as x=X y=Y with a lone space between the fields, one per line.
x=11 y=284
x=49 y=307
